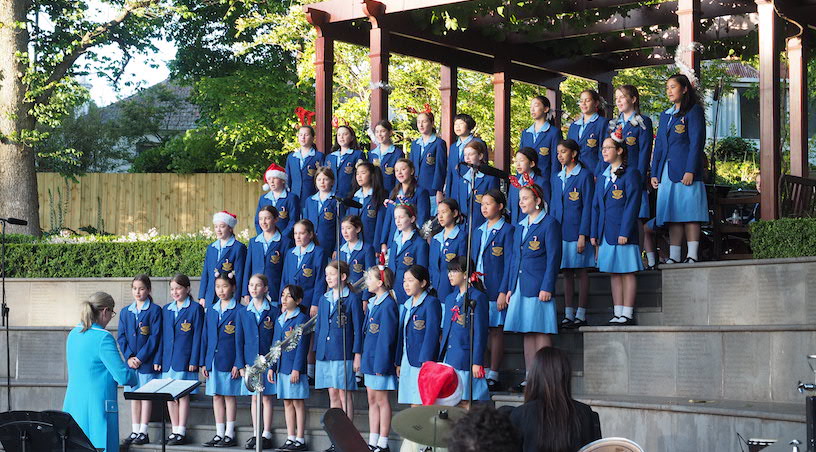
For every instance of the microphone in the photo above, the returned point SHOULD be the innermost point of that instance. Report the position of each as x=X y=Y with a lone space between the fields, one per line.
x=348 y=202
x=484 y=168
x=16 y=221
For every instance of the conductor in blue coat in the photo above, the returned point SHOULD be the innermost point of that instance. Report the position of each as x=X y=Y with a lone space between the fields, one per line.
x=95 y=368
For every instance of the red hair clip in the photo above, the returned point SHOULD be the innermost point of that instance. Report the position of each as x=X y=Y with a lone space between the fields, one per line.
x=406 y=205
x=306 y=116
x=338 y=122
x=381 y=265
x=414 y=111
x=475 y=276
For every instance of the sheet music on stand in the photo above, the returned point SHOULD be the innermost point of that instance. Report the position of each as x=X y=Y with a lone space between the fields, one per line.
x=166 y=389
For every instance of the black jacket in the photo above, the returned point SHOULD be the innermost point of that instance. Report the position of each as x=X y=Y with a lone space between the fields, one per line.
x=525 y=418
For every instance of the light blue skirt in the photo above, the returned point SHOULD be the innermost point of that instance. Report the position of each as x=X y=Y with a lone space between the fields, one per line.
x=292 y=391
x=480 y=391
x=530 y=315
x=497 y=317
x=645 y=212
x=619 y=258
x=381 y=382
x=222 y=383
x=329 y=374
x=571 y=258
x=678 y=203
x=143 y=380
x=408 y=387
x=179 y=375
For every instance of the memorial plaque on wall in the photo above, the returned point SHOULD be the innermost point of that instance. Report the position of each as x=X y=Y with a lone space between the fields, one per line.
x=652 y=363
x=699 y=365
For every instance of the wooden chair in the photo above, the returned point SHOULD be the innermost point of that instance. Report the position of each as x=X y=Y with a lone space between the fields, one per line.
x=797 y=197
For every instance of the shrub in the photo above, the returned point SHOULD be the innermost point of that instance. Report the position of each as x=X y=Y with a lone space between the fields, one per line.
x=786 y=237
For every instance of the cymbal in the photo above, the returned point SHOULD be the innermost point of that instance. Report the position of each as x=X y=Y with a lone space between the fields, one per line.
x=612 y=445
x=429 y=425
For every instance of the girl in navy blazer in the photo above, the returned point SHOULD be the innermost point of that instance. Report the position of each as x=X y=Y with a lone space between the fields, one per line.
x=429 y=155
x=321 y=210
x=455 y=346
x=573 y=189
x=527 y=171
x=385 y=155
x=182 y=325
x=419 y=330
x=406 y=191
x=590 y=130
x=369 y=192
x=256 y=328
x=406 y=247
x=379 y=346
x=139 y=339
x=288 y=372
x=224 y=255
x=266 y=252
x=463 y=191
x=677 y=169
x=445 y=246
x=536 y=260
x=614 y=229
x=345 y=155
x=304 y=263
x=542 y=137
x=286 y=202
x=220 y=362
x=302 y=163
x=358 y=254
x=491 y=246
x=463 y=125
x=332 y=326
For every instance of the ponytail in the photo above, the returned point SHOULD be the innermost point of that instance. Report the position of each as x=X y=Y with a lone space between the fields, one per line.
x=90 y=309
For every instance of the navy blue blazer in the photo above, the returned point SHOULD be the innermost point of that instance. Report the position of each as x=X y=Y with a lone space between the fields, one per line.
x=233 y=259
x=680 y=143
x=414 y=252
x=453 y=164
x=638 y=141
x=386 y=164
x=300 y=180
x=513 y=195
x=420 y=335
x=309 y=275
x=220 y=344
x=370 y=214
x=536 y=260
x=455 y=344
x=380 y=338
x=181 y=336
x=288 y=212
x=422 y=206
x=329 y=333
x=255 y=338
x=294 y=359
x=496 y=257
x=615 y=208
x=546 y=146
x=359 y=261
x=571 y=203
x=590 y=142
x=140 y=336
x=440 y=254
x=269 y=263
x=462 y=194
x=344 y=168
x=325 y=221
x=430 y=164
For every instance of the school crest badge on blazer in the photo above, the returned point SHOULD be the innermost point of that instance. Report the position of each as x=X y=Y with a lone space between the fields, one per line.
x=534 y=244
x=389 y=170
x=268 y=324
x=544 y=151
x=328 y=215
x=631 y=141
x=419 y=325
x=450 y=256
x=283 y=213
x=144 y=330
x=227 y=266
x=592 y=142
x=275 y=258
x=408 y=260
x=372 y=213
x=461 y=319
x=376 y=162
x=308 y=272
x=430 y=159
x=290 y=332
x=617 y=194
x=348 y=169
x=229 y=328
x=374 y=328
x=311 y=171
x=186 y=326
x=497 y=251
x=574 y=195
x=680 y=128
x=479 y=198
x=357 y=268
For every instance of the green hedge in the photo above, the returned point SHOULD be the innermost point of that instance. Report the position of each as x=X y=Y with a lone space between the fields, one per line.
x=786 y=237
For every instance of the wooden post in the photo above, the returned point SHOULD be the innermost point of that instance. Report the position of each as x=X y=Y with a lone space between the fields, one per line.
x=607 y=91
x=797 y=70
x=769 y=108
x=556 y=105
x=324 y=80
x=501 y=110
x=449 y=92
x=379 y=56
x=688 y=18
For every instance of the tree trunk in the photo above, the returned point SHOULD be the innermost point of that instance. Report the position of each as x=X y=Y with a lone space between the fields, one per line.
x=18 y=180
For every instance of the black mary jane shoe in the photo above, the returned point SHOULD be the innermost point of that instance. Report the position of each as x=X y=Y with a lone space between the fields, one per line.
x=566 y=323
x=250 y=443
x=628 y=321
x=578 y=323
x=177 y=440
x=669 y=261
x=331 y=449
x=212 y=443
x=143 y=438
x=228 y=441
x=127 y=441
x=690 y=260
x=494 y=385
x=383 y=449
x=298 y=446
x=287 y=445
x=266 y=443
x=614 y=321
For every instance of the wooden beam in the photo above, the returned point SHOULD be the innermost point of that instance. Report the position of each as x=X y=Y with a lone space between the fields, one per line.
x=324 y=81
x=769 y=108
x=379 y=56
x=449 y=93
x=797 y=74
x=501 y=110
x=688 y=17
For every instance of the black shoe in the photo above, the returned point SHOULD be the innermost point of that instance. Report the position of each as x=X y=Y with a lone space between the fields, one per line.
x=359 y=379
x=227 y=442
x=287 y=445
x=177 y=440
x=578 y=323
x=566 y=323
x=690 y=260
x=266 y=443
x=130 y=438
x=297 y=445
x=372 y=448
x=250 y=444
x=614 y=321
x=383 y=449
x=520 y=387
x=215 y=440
x=143 y=438
x=669 y=261
x=627 y=321
x=656 y=266
x=331 y=449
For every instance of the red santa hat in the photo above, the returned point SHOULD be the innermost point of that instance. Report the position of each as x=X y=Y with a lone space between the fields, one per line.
x=225 y=217
x=439 y=384
x=274 y=171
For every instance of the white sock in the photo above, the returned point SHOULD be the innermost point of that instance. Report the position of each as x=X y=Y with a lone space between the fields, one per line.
x=492 y=375
x=373 y=438
x=135 y=428
x=291 y=438
x=175 y=429
x=230 y=429
x=674 y=252
x=580 y=314
x=628 y=312
x=310 y=370
x=569 y=313
x=651 y=258
x=219 y=429
x=618 y=310
x=301 y=440
x=143 y=428
x=181 y=430
x=692 y=249
x=267 y=434
x=383 y=442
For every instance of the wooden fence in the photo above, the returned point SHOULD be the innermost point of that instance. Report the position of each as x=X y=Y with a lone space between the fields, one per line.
x=171 y=203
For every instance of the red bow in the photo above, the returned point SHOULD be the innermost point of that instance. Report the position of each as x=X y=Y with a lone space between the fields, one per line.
x=414 y=110
x=306 y=116
x=337 y=122
x=381 y=266
x=456 y=314
x=475 y=276
x=528 y=180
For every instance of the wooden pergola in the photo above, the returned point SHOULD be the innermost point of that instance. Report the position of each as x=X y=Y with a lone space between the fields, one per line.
x=545 y=58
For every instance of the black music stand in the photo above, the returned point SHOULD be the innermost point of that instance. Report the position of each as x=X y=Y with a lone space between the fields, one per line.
x=42 y=431
x=163 y=390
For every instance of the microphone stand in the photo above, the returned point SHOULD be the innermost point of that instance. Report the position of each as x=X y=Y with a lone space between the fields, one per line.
x=341 y=308
x=5 y=312
x=469 y=304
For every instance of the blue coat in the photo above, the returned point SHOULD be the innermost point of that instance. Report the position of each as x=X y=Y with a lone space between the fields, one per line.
x=344 y=168
x=140 y=335
x=371 y=214
x=462 y=194
x=329 y=334
x=638 y=142
x=571 y=203
x=386 y=164
x=380 y=337
x=95 y=367
x=420 y=336
x=455 y=156
x=536 y=260
x=324 y=219
x=309 y=275
x=496 y=257
x=590 y=141
x=422 y=206
x=300 y=179
x=255 y=338
x=680 y=142
x=294 y=359
x=413 y=252
x=181 y=336
x=454 y=348
x=545 y=144
x=442 y=252
x=220 y=337
x=360 y=259
x=288 y=206
x=430 y=163
x=269 y=262
x=513 y=194
x=615 y=208
x=232 y=259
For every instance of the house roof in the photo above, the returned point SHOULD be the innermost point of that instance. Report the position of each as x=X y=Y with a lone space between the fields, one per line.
x=740 y=70
x=181 y=115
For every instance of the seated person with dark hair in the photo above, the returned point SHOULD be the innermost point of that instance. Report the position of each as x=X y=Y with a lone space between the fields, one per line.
x=484 y=429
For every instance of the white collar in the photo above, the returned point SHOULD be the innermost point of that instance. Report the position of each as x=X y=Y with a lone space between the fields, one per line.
x=592 y=118
x=380 y=298
x=498 y=225
x=173 y=306
x=217 y=243
x=357 y=246
x=543 y=128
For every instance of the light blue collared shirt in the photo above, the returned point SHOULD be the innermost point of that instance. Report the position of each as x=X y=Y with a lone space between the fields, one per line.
x=526 y=223
x=379 y=152
x=535 y=132
x=271 y=196
x=423 y=144
x=461 y=143
x=298 y=153
x=583 y=123
x=217 y=245
x=333 y=296
x=217 y=307
x=260 y=238
x=607 y=174
x=361 y=195
x=563 y=174
x=486 y=232
x=299 y=252
x=135 y=310
x=409 y=304
x=440 y=237
x=286 y=315
x=175 y=308
x=264 y=307
x=321 y=203
x=469 y=176
x=399 y=240
x=347 y=251
x=671 y=111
